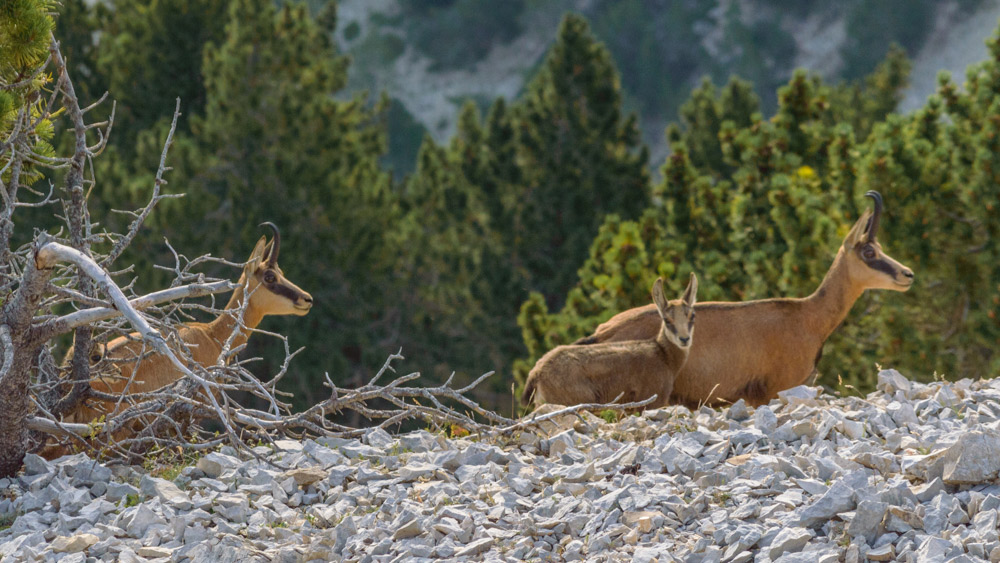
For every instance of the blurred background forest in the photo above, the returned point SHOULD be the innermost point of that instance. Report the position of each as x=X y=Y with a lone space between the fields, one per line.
x=478 y=181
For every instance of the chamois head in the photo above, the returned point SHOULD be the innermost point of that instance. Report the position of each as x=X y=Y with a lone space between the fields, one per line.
x=677 y=315
x=869 y=265
x=270 y=292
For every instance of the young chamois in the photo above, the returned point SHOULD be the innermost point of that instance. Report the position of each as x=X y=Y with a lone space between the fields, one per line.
x=136 y=371
x=638 y=369
x=755 y=349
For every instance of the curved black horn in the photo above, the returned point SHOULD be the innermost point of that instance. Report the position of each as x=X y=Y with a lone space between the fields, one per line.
x=876 y=214
x=272 y=258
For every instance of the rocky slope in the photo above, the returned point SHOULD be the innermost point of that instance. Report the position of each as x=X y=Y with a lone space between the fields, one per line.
x=908 y=473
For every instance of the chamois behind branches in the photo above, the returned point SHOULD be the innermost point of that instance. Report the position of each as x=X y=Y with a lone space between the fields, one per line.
x=262 y=290
x=632 y=370
x=753 y=350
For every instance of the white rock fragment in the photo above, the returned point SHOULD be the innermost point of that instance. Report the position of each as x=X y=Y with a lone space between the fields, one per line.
x=788 y=540
x=801 y=395
x=73 y=544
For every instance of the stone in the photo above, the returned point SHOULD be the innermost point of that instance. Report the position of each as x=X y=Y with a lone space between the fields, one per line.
x=973 y=459
x=154 y=552
x=890 y=381
x=933 y=549
x=867 y=519
x=801 y=395
x=305 y=476
x=884 y=553
x=765 y=420
x=409 y=529
x=788 y=540
x=475 y=548
x=416 y=470
x=853 y=429
x=902 y=413
x=738 y=410
x=36 y=465
x=141 y=520
x=73 y=544
x=839 y=498
x=214 y=464
x=168 y=493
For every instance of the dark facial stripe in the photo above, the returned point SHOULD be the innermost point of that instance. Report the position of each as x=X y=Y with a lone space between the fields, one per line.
x=285 y=291
x=882 y=266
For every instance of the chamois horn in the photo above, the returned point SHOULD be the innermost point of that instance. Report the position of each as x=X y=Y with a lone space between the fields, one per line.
x=272 y=257
x=876 y=214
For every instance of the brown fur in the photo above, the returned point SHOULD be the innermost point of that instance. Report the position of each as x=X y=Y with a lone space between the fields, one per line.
x=135 y=370
x=755 y=349
x=572 y=375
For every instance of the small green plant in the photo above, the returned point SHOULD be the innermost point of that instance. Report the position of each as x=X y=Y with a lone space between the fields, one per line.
x=131 y=500
x=610 y=416
x=7 y=520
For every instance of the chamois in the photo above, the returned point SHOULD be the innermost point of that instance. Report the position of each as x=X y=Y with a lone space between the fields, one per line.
x=573 y=375
x=753 y=350
x=266 y=291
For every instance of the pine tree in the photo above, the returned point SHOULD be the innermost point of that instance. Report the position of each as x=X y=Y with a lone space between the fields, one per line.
x=150 y=54
x=581 y=158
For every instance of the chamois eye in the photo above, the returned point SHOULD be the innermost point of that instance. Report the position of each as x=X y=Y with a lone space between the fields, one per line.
x=868 y=253
x=95 y=358
x=269 y=277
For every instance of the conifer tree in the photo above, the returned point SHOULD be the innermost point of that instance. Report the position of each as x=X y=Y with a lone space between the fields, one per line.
x=150 y=54
x=581 y=158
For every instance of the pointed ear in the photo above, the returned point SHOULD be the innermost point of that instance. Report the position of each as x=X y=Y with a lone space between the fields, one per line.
x=859 y=231
x=256 y=256
x=266 y=255
x=658 y=298
x=691 y=293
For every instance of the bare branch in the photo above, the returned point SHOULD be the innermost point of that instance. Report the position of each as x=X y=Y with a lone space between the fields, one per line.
x=133 y=229
x=93 y=315
x=535 y=420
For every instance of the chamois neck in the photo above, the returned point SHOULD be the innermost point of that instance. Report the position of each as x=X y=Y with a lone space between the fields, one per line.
x=222 y=327
x=673 y=355
x=829 y=305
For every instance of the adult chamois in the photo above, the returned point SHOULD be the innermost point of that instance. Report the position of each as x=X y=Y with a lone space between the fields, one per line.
x=636 y=369
x=753 y=350
x=263 y=288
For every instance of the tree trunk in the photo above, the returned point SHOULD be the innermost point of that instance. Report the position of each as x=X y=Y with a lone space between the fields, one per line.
x=19 y=348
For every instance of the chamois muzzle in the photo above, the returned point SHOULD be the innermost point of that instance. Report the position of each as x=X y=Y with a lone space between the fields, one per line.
x=876 y=214
x=272 y=258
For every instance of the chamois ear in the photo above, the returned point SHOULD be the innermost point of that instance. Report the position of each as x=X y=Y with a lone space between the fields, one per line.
x=859 y=232
x=691 y=293
x=659 y=299
x=257 y=255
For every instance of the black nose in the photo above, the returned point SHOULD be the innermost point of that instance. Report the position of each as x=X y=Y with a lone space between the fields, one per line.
x=908 y=273
x=684 y=340
x=307 y=298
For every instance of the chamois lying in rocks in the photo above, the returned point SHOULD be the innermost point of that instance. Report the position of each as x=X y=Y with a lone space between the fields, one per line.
x=638 y=369
x=262 y=286
x=755 y=349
